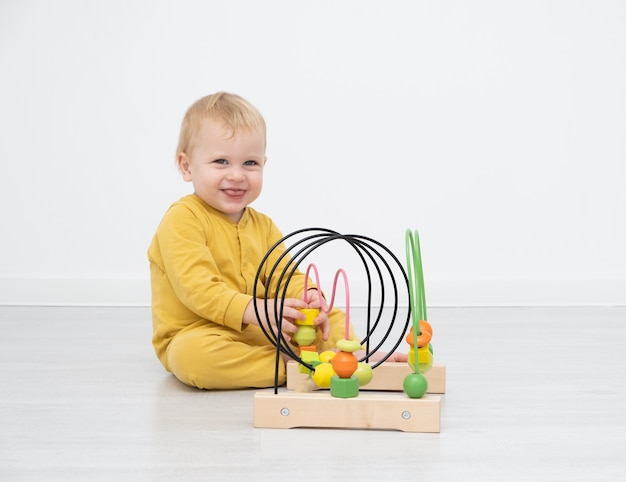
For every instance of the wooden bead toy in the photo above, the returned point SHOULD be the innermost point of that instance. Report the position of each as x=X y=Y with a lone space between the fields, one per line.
x=341 y=374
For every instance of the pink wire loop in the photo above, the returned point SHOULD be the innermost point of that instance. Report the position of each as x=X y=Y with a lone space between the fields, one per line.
x=323 y=307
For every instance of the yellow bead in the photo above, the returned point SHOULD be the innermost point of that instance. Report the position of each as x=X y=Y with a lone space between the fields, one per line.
x=327 y=355
x=322 y=375
x=424 y=354
x=424 y=359
x=311 y=314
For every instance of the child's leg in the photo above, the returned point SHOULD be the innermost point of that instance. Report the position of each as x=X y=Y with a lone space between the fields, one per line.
x=214 y=358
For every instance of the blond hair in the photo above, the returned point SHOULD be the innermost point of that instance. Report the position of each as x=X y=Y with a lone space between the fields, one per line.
x=233 y=110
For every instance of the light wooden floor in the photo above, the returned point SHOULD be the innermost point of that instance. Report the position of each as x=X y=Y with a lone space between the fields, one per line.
x=536 y=394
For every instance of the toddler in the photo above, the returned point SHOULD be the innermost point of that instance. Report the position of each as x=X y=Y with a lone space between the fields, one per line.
x=207 y=250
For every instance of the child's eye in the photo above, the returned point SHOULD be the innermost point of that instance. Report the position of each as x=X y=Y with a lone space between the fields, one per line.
x=221 y=161
x=250 y=163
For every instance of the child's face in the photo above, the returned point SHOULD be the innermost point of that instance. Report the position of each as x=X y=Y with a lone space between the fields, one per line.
x=226 y=171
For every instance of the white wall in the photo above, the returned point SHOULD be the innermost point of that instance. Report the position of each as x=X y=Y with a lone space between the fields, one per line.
x=495 y=128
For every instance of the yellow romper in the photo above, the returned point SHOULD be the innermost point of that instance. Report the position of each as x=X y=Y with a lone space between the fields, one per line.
x=202 y=267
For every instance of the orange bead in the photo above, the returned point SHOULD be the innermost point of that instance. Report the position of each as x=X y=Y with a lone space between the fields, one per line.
x=344 y=364
x=424 y=339
x=425 y=326
x=426 y=334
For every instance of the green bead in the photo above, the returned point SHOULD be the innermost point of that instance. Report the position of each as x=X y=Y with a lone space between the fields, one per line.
x=344 y=387
x=349 y=346
x=305 y=335
x=364 y=373
x=415 y=385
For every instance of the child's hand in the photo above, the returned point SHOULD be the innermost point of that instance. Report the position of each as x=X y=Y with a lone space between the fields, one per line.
x=322 y=322
x=290 y=313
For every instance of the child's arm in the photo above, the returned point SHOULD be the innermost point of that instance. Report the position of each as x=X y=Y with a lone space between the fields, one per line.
x=198 y=278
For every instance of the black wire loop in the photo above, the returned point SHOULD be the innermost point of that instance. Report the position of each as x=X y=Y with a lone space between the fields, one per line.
x=381 y=268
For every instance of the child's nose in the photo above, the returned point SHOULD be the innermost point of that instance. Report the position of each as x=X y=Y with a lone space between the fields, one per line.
x=237 y=174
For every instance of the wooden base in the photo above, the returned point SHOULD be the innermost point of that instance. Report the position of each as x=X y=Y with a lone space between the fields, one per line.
x=387 y=376
x=371 y=410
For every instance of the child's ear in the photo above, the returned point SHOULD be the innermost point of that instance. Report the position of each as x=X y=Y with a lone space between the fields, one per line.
x=183 y=165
